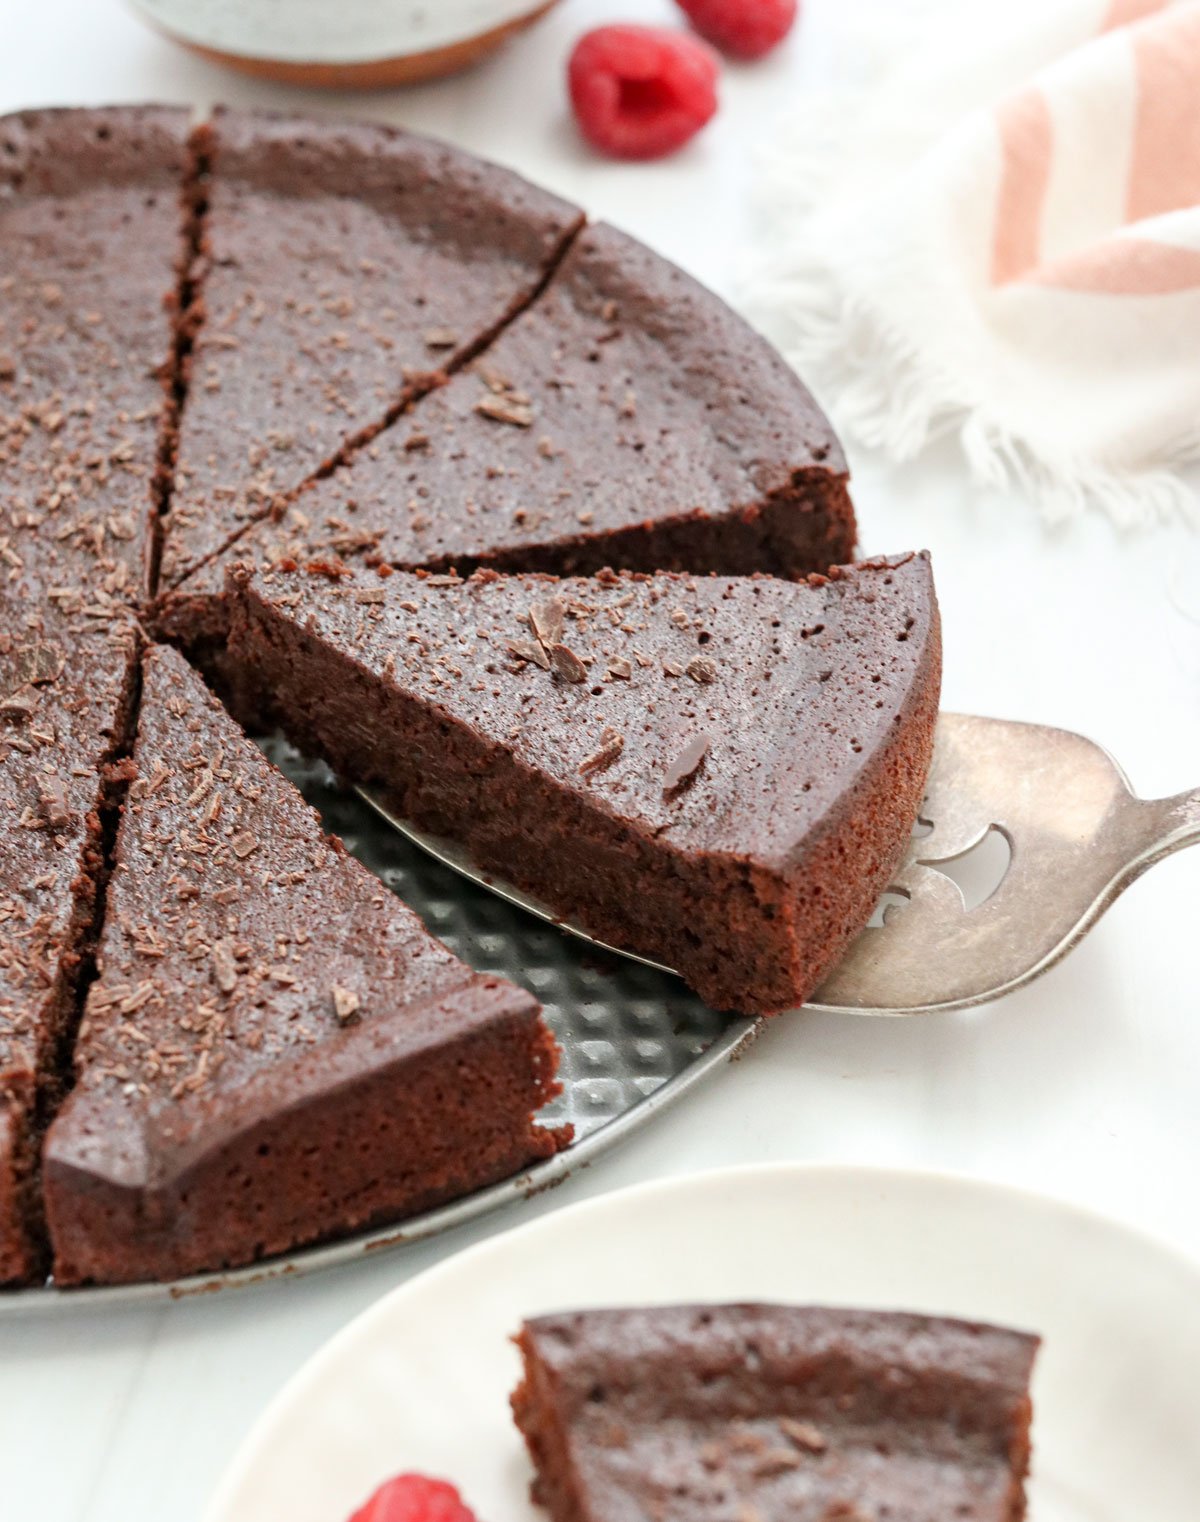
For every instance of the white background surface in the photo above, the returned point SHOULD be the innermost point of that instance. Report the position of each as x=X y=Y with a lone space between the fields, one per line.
x=1086 y=1085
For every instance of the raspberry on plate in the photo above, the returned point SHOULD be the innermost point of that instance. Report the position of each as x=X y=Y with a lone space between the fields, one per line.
x=640 y=92
x=742 y=28
x=414 y=1498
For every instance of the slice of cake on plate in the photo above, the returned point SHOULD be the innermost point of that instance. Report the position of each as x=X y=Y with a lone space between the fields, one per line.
x=276 y=1050
x=720 y=774
x=761 y=1413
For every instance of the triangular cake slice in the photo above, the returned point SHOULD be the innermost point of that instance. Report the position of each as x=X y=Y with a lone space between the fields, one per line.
x=64 y=708
x=275 y=1050
x=92 y=221
x=628 y=418
x=776 y=1413
x=718 y=773
x=345 y=264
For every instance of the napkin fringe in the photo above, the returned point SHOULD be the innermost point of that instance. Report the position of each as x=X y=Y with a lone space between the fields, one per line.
x=886 y=394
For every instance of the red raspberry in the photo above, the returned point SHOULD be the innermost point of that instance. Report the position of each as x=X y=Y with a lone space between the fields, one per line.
x=641 y=91
x=742 y=28
x=414 y=1498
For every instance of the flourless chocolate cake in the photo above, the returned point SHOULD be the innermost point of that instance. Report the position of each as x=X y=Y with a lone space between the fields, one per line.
x=345 y=266
x=718 y=773
x=598 y=430
x=270 y=339
x=775 y=1413
x=92 y=207
x=276 y=1050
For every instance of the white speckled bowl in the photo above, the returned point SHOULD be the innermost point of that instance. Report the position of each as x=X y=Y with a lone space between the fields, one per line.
x=339 y=43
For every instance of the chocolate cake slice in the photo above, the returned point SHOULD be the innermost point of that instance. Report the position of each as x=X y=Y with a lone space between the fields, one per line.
x=718 y=773
x=92 y=227
x=275 y=1050
x=64 y=706
x=776 y=1414
x=628 y=418
x=345 y=266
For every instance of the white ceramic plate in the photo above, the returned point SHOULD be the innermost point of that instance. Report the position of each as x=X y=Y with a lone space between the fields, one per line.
x=421 y=1381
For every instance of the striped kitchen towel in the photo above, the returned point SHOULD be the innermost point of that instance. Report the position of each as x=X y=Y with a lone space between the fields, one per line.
x=996 y=233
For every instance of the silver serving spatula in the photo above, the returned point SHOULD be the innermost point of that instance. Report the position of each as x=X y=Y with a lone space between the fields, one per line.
x=1076 y=838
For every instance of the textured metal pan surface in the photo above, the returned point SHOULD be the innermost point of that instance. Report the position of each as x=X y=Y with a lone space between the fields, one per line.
x=634 y=1039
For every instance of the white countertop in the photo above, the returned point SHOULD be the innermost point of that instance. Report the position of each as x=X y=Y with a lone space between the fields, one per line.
x=1085 y=1085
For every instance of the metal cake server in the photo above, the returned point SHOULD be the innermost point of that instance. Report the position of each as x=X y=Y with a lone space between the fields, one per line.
x=1077 y=837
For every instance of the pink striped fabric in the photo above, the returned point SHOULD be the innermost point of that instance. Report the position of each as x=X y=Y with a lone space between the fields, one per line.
x=996 y=240
x=1162 y=101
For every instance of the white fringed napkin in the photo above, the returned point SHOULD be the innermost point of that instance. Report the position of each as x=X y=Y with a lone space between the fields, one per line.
x=998 y=235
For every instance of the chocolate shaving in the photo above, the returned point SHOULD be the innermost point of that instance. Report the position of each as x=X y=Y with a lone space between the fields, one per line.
x=567 y=664
x=346 y=1004
x=546 y=621
x=686 y=763
x=702 y=670
x=441 y=338
x=224 y=967
x=529 y=650
x=244 y=844
x=333 y=570
x=18 y=709
x=38 y=664
x=777 y=1463
x=619 y=668
x=506 y=409
x=612 y=743
x=370 y=595
x=54 y=809
x=803 y=1434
